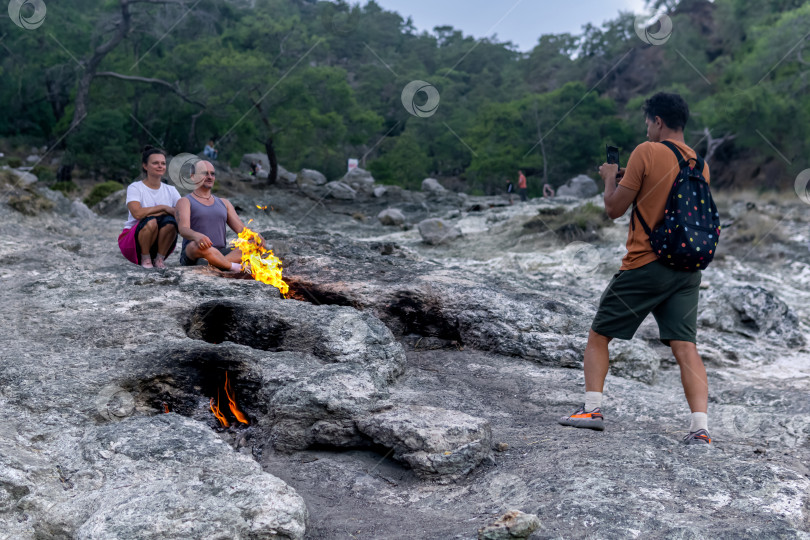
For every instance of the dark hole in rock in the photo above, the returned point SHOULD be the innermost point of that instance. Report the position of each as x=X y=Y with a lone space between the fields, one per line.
x=201 y=376
x=418 y=315
x=316 y=294
x=216 y=322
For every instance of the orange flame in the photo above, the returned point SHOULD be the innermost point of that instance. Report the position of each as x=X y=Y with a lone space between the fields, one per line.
x=217 y=412
x=165 y=408
x=232 y=402
x=260 y=262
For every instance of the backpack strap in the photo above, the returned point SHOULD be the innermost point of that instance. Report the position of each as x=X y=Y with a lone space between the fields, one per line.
x=684 y=163
x=637 y=214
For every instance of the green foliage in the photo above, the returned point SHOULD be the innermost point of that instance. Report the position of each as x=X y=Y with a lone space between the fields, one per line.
x=323 y=81
x=44 y=174
x=14 y=162
x=102 y=191
x=65 y=187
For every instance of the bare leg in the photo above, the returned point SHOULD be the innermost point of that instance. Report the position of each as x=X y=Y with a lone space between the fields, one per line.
x=693 y=375
x=146 y=237
x=213 y=256
x=166 y=239
x=596 y=361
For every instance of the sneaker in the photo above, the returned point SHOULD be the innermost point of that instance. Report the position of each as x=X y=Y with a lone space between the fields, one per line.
x=582 y=419
x=700 y=436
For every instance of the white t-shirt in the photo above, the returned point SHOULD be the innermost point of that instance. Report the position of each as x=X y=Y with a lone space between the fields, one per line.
x=148 y=197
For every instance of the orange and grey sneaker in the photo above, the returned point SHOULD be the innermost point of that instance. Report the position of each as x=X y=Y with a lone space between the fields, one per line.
x=582 y=419
x=700 y=436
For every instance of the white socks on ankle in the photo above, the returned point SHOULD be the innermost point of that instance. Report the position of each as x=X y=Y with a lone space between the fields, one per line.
x=146 y=260
x=592 y=400
x=236 y=267
x=698 y=420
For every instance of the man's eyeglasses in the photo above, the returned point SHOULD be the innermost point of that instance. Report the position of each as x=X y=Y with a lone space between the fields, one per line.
x=212 y=175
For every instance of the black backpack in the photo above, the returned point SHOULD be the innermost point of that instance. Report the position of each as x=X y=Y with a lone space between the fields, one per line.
x=687 y=237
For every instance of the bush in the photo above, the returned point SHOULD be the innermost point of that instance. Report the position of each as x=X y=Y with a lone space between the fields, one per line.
x=102 y=191
x=44 y=174
x=65 y=187
x=14 y=162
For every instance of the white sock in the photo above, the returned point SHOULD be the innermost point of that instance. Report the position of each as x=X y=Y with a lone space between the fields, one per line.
x=236 y=267
x=160 y=257
x=698 y=420
x=592 y=400
x=146 y=260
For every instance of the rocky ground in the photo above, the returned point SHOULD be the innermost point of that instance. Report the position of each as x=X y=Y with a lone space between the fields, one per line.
x=405 y=390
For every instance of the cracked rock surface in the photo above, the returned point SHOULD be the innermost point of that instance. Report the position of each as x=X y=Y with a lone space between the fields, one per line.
x=376 y=394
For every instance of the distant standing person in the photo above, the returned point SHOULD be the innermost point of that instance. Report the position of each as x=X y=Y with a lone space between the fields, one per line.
x=510 y=187
x=150 y=233
x=522 y=187
x=202 y=218
x=209 y=151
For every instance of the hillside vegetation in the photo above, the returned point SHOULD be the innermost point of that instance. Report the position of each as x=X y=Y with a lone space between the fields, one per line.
x=320 y=82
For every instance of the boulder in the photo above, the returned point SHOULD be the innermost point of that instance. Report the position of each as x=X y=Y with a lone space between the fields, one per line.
x=391 y=216
x=580 y=187
x=433 y=186
x=285 y=176
x=513 y=525
x=379 y=191
x=310 y=177
x=360 y=180
x=23 y=177
x=259 y=157
x=434 y=442
x=136 y=478
x=435 y=231
x=340 y=190
x=113 y=205
x=33 y=158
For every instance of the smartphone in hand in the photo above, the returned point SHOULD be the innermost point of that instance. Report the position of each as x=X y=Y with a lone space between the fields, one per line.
x=612 y=154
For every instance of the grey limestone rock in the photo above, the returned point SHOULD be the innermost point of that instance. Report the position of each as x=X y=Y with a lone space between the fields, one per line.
x=340 y=190
x=513 y=525
x=434 y=442
x=432 y=185
x=379 y=191
x=311 y=177
x=258 y=157
x=581 y=187
x=751 y=311
x=360 y=180
x=634 y=359
x=136 y=479
x=435 y=231
x=391 y=216
x=113 y=205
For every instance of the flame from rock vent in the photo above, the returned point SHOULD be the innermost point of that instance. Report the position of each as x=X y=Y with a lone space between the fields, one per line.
x=229 y=393
x=260 y=262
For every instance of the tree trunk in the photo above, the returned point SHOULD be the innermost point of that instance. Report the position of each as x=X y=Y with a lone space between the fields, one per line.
x=271 y=157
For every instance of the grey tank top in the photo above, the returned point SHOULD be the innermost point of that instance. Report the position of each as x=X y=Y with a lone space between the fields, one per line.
x=208 y=220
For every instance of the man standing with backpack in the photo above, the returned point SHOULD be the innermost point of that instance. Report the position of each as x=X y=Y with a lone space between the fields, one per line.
x=662 y=277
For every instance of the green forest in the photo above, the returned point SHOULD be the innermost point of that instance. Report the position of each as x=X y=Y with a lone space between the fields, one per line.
x=320 y=82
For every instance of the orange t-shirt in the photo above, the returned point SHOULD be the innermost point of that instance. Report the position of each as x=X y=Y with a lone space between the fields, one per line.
x=521 y=182
x=651 y=170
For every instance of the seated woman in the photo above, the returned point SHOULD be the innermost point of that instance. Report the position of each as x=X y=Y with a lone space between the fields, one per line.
x=151 y=230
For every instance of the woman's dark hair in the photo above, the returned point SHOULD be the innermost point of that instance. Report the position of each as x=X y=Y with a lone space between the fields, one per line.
x=671 y=108
x=149 y=151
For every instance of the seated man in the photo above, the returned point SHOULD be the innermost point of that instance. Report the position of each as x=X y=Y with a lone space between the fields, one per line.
x=201 y=219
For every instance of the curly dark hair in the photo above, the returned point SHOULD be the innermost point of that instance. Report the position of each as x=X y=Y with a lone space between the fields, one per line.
x=671 y=108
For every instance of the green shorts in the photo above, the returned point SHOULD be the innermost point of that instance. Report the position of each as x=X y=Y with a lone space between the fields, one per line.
x=671 y=296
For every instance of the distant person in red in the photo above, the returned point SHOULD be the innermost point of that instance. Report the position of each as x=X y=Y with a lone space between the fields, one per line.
x=522 y=187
